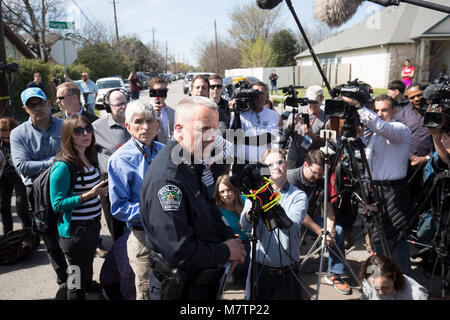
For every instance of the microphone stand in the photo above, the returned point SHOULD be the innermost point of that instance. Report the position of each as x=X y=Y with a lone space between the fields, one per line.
x=316 y=61
x=420 y=3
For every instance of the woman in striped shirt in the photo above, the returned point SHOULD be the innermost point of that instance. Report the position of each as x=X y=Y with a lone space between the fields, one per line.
x=78 y=207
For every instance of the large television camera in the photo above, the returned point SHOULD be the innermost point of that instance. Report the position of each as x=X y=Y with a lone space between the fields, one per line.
x=254 y=183
x=337 y=107
x=243 y=94
x=353 y=89
x=437 y=97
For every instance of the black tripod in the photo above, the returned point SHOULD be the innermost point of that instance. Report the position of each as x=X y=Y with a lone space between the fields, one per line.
x=255 y=213
x=362 y=188
x=440 y=190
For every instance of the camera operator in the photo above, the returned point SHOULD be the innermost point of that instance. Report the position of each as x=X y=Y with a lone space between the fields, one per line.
x=158 y=95
x=387 y=150
x=307 y=135
x=309 y=178
x=277 y=252
x=259 y=124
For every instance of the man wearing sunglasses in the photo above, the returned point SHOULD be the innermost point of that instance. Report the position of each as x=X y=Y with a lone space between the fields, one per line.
x=309 y=178
x=165 y=113
x=215 y=93
x=68 y=100
x=306 y=128
x=34 y=144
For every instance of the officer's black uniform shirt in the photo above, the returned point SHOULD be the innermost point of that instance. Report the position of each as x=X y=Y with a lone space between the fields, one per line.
x=179 y=219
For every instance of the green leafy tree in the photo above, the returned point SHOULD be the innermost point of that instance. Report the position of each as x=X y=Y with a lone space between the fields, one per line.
x=103 y=60
x=257 y=54
x=285 y=47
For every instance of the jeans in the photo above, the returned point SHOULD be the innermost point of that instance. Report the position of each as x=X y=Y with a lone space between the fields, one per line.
x=273 y=87
x=335 y=264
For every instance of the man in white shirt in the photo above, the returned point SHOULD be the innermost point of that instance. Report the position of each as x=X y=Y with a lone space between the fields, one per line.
x=387 y=152
x=260 y=129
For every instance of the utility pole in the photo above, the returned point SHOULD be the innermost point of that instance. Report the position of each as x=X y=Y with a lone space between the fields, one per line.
x=115 y=21
x=4 y=90
x=166 y=56
x=153 y=31
x=217 y=49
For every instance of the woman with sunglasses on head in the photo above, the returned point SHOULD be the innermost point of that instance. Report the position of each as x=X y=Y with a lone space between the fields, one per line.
x=78 y=208
x=231 y=203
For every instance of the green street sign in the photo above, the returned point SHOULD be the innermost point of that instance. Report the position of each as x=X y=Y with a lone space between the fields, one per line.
x=61 y=25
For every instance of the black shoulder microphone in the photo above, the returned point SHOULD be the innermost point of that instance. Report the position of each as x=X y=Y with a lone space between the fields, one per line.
x=268 y=4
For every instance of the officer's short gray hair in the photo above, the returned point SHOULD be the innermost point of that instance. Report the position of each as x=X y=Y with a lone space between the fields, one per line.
x=184 y=109
x=138 y=107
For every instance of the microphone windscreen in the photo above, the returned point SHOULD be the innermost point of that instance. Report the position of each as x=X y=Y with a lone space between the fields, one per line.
x=267 y=4
x=432 y=91
x=335 y=12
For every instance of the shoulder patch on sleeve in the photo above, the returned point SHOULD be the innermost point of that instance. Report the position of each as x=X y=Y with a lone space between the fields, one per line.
x=170 y=197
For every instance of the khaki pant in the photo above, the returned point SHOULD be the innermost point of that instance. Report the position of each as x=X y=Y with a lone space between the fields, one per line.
x=138 y=256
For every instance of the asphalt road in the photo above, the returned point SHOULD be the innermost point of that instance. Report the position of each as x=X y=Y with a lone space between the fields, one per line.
x=34 y=278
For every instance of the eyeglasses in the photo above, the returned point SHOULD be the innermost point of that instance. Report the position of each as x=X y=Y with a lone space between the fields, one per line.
x=313 y=102
x=62 y=98
x=275 y=164
x=315 y=173
x=78 y=131
x=32 y=106
x=215 y=86
x=121 y=104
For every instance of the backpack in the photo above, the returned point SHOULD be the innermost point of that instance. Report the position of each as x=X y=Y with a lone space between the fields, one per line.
x=44 y=216
x=18 y=244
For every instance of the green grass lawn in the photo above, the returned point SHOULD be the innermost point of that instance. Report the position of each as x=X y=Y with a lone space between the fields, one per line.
x=376 y=92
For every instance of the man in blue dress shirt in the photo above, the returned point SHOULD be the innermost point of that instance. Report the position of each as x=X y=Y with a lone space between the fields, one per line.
x=277 y=252
x=126 y=169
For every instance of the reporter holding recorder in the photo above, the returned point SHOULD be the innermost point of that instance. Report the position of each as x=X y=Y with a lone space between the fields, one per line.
x=78 y=208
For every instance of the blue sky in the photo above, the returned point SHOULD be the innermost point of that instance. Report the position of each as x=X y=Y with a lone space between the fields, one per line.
x=183 y=24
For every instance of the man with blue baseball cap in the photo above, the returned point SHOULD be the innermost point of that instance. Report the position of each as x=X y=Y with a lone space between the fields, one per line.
x=34 y=144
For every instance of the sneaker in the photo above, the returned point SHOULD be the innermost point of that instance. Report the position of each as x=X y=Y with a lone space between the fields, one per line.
x=339 y=284
x=101 y=251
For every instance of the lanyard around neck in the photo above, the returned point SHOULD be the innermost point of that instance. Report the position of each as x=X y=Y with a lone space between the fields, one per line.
x=142 y=151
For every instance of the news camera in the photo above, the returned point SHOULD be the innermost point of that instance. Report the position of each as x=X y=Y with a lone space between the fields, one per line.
x=337 y=107
x=291 y=99
x=243 y=94
x=256 y=186
x=437 y=97
x=352 y=89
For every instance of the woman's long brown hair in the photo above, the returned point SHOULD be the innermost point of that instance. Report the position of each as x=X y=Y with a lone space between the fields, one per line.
x=68 y=151
x=225 y=179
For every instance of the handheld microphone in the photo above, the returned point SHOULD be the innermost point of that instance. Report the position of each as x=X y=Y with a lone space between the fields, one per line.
x=335 y=12
x=268 y=4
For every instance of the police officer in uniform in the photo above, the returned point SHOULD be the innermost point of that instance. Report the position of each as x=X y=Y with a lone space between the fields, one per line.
x=183 y=225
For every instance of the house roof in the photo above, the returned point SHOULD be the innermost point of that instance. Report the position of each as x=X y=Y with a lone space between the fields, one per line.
x=20 y=45
x=391 y=25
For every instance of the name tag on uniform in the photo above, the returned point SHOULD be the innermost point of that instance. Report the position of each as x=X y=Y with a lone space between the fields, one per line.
x=170 y=197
